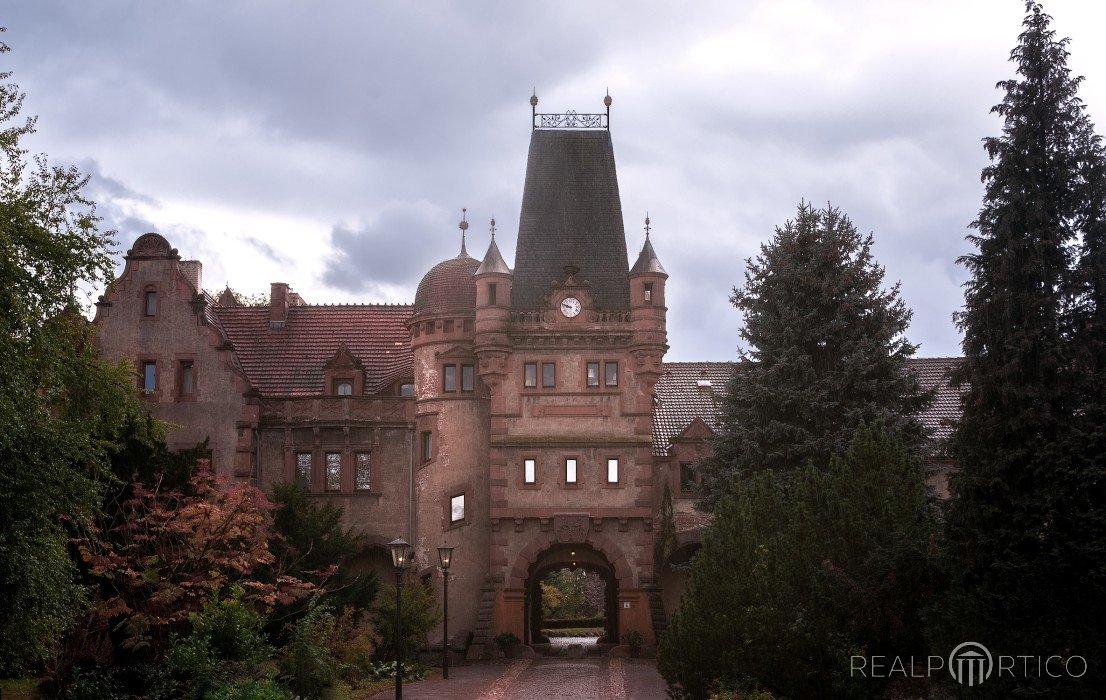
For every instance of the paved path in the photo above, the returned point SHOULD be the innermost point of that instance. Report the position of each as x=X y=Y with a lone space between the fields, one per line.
x=538 y=679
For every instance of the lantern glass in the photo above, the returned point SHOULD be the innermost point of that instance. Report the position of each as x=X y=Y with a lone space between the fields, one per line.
x=401 y=552
x=445 y=556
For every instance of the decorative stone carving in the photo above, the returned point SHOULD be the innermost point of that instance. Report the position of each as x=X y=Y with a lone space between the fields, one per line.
x=571 y=529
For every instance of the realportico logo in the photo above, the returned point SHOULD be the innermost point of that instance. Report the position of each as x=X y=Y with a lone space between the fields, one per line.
x=970 y=664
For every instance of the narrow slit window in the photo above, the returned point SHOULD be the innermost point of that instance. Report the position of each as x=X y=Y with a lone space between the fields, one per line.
x=361 y=472
x=457 y=508
x=149 y=377
x=491 y=294
x=427 y=446
x=333 y=471
x=187 y=377
x=612 y=471
x=530 y=375
x=449 y=378
x=648 y=292
x=593 y=374
x=548 y=375
x=611 y=369
x=529 y=471
x=151 y=302
x=570 y=470
x=303 y=470
x=468 y=378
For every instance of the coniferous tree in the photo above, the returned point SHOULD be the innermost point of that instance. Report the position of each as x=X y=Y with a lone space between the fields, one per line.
x=827 y=352
x=1027 y=523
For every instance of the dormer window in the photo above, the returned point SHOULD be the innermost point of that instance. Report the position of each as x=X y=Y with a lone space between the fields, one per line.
x=407 y=390
x=343 y=387
x=151 y=302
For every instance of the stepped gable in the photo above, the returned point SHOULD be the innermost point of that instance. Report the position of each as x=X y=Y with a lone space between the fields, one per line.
x=571 y=216
x=290 y=361
x=679 y=398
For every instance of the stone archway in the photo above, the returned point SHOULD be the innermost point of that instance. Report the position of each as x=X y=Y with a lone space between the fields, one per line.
x=572 y=556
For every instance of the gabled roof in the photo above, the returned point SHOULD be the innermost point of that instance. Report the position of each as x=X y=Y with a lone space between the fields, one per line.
x=290 y=361
x=681 y=397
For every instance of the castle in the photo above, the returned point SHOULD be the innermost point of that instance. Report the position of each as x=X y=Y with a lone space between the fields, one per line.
x=524 y=416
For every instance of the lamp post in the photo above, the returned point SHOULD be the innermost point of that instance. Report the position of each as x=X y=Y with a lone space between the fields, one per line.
x=401 y=553
x=445 y=556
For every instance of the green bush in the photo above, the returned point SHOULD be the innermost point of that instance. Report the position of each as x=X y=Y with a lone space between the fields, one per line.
x=323 y=648
x=387 y=669
x=795 y=575
x=250 y=689
x=506 y=640
x=226 y=644
x=420 y=615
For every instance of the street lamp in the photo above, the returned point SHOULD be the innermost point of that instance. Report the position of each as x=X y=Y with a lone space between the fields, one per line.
x=445 y=555
x=401 y=553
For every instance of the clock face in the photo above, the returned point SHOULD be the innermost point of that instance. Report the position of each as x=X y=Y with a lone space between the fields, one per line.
x=570 y=307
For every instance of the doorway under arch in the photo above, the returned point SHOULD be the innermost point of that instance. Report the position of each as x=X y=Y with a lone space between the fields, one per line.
x=570 y=556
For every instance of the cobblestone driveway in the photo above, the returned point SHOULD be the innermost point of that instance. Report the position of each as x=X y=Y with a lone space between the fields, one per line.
x=539 y=679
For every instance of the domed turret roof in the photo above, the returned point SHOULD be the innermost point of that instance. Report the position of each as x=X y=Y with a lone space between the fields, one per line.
x=449 y=287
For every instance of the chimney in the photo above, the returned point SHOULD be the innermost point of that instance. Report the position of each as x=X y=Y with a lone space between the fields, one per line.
x=278 y=304
x=193 y=272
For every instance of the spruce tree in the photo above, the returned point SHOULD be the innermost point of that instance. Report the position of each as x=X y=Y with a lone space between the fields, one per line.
x=1027 y=523
x=827 y=352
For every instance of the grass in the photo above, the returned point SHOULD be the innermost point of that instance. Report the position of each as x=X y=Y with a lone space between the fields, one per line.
x=575 y=632
x=20 y=689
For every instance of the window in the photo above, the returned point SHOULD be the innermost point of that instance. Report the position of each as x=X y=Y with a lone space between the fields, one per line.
x=457 y=508
x=303 y=470
x=333 y=471
x=689 y=481
x=149 y=377
x=407 y=390
x=529 y=471
x=612 y=471
x=530 y=375
x=343 y=387
x=449 y=378
x=548 y=375
x=447 y=326
x=570 y=470
x=491 y=294
x=610 y=373
x=648 y=292
x=151 y=302
x=593 y=374
x=361 y=471
x=468 y=378
x=427 y=446
x=185 y=378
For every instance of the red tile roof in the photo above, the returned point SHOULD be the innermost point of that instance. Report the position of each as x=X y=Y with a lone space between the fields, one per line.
x=289 y=361
x=680 y=399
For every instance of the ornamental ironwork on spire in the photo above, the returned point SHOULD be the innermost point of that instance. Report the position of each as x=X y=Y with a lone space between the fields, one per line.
x=464 y=226
x=571 y=119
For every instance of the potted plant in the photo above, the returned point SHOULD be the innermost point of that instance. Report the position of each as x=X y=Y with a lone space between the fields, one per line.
x=507 y=641
x=635 y=640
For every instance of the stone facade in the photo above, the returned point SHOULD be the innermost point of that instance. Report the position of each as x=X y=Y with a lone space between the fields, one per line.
x=530 y=433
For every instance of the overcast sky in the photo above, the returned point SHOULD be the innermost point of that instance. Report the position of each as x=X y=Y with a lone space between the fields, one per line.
x=332 y=145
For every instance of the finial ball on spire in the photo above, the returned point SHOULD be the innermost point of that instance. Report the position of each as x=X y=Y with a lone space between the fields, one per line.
x=464 y=225
x=534 y=99
x=607 y=99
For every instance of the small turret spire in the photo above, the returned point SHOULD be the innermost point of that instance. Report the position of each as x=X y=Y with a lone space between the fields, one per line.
x=464 y=226
x=493 y=227
x=647 y=227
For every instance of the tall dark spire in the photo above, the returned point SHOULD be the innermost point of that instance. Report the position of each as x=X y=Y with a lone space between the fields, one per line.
x=571 y=215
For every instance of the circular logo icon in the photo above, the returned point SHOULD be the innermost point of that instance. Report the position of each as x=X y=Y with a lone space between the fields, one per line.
x=970 y=663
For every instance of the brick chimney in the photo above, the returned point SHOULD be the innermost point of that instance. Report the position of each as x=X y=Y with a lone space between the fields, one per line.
x=278 y=304
x=193 y=272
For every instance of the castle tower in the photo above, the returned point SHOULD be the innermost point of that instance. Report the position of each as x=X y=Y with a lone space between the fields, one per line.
x=570 y=360
x=450 y=480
